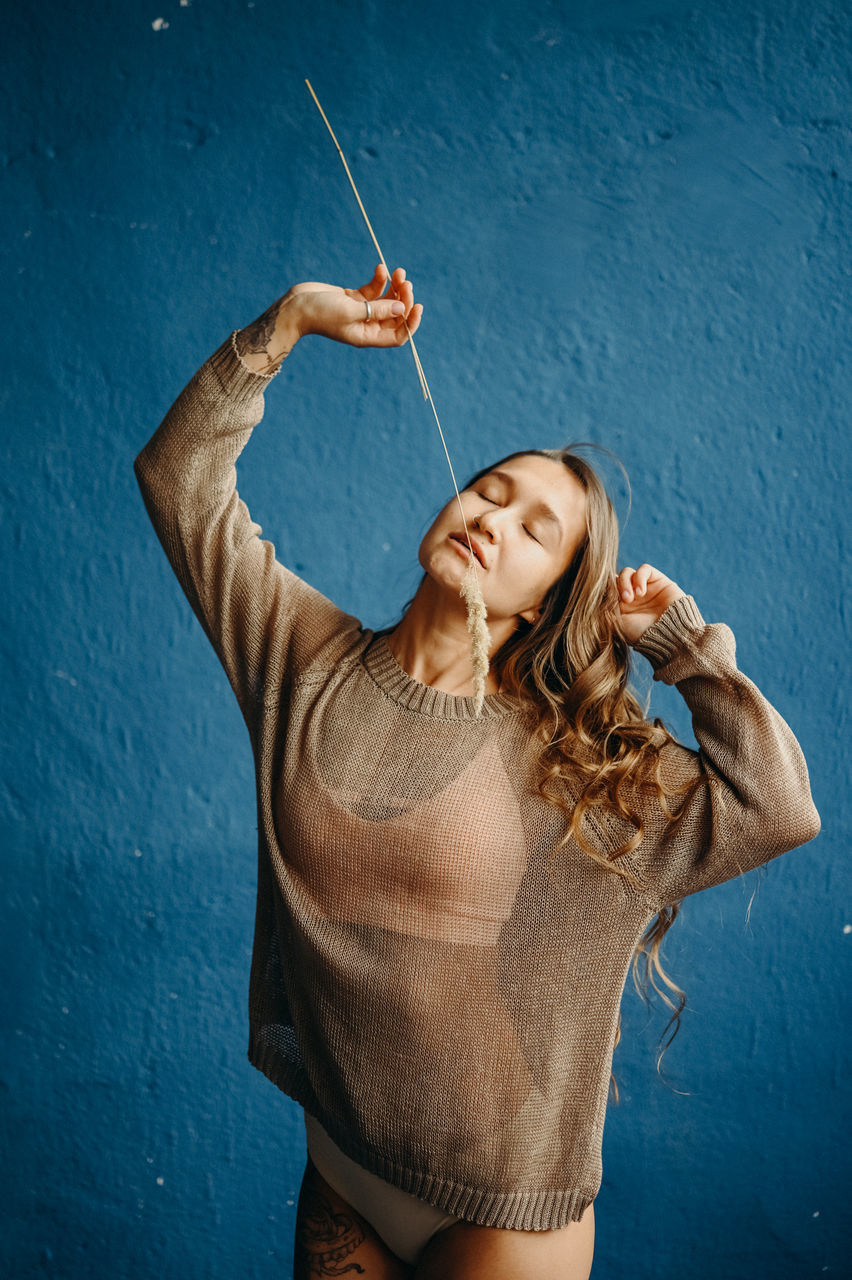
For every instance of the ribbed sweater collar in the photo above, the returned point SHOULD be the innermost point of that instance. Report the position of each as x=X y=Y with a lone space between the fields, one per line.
x=398 y=685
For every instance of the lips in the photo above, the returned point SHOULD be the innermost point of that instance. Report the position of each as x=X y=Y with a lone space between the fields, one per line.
x=472 y=545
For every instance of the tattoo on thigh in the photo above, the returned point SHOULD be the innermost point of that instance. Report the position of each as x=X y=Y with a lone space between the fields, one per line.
x=325 y=1238
x=255 y=336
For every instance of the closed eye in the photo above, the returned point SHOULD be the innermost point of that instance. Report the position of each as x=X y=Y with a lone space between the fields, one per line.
x=529 y=535
x=486 y=497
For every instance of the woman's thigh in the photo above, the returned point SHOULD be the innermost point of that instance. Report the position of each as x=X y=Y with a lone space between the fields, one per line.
x=465 y=1251
x=333 y=1239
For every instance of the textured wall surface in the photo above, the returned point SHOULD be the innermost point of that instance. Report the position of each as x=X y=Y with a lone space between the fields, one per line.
x=629 y=222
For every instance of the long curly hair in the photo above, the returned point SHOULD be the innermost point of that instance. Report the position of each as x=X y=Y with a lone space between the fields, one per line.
x=572 y=668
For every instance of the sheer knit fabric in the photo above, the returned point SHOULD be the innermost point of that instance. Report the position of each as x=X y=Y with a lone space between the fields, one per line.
x=425 y=980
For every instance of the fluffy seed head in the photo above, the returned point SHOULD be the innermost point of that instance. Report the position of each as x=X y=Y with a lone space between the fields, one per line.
x=480 y=639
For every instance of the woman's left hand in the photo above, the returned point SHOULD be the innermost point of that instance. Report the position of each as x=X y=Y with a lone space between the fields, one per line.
x=644 y=594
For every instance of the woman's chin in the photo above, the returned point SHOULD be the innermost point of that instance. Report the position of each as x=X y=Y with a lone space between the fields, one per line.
x=445 y=568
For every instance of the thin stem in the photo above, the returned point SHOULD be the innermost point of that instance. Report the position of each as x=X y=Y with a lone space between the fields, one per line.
x=424 y=385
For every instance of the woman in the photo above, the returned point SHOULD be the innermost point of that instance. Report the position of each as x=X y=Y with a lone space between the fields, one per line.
x=449 y=901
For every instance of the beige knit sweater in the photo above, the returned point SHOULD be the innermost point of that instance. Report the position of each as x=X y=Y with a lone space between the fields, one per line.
x=441 y=999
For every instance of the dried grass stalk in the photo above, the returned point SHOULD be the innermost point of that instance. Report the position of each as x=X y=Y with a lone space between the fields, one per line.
x=470 y=588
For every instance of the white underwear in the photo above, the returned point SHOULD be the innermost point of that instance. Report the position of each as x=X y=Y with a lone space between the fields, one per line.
x=405 y=1223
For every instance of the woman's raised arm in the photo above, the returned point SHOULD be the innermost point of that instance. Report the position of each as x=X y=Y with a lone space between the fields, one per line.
x=754 y=799
x=264 y=622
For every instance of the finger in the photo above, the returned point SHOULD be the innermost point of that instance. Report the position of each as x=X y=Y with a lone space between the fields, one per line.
x=388 y=310
x=397 y=279
x=624 y=582
x=412 y=321
x=405 y=298
x=375 y=287
x=641 y=578
x=409 y=322
x=398 y=335
x=405 y=293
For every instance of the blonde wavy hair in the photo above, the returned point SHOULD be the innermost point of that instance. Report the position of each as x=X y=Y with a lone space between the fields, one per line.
x=572 y=669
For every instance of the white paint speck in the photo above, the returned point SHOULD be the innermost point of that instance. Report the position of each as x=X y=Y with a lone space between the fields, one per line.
x=140 y=1204
x=63 y=675
x=149 y=1159
x=65 y=1008
x=815 y=1215
x=159 y=24
x=847 y=928
x=137 y=853
x=173 y=995
x=184 y=4
x=291 y=1202
x=386 y=546
x=160 y=1181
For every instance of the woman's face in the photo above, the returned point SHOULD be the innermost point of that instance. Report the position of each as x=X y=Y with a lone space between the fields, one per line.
x=526 y=518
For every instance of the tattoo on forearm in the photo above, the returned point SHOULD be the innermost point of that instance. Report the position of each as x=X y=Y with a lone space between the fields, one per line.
x=324 y=1238
x=256 y=336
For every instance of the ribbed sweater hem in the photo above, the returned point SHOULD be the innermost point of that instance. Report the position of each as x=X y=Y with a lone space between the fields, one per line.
x=511 y=1210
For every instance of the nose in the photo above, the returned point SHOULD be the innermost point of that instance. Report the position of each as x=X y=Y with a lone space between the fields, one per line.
x=487 y=521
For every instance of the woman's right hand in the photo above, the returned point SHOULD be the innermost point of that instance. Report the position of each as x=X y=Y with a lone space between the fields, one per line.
x=332 y=312
x=341 y=314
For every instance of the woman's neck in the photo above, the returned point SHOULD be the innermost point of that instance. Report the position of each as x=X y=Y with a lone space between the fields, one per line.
x=432 y=643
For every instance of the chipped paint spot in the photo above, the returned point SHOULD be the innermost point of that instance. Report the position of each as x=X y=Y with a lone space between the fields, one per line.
x=160 y=1181
x=63 y=675
x=159 y=24
x=847 y=928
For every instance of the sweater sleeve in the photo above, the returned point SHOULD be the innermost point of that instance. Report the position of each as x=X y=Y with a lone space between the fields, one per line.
x=754 y=801
x=263 y=621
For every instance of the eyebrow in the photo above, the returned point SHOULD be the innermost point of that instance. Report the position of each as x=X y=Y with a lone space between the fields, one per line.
x=540 y=507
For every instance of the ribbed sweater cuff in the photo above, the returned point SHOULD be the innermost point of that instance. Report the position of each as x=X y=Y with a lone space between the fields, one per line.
x=666 y=636
x=240 y=383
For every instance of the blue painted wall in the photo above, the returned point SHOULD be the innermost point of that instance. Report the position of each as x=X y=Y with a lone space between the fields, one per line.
x=629 y=222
